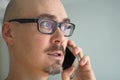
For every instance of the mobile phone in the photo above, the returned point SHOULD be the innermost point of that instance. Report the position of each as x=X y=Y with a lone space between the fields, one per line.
x=68 y=60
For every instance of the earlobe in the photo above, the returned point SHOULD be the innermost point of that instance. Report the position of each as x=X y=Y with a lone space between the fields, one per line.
x=7 y=33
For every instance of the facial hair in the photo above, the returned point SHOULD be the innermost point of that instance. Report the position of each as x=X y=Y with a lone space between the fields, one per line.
x=53 y=69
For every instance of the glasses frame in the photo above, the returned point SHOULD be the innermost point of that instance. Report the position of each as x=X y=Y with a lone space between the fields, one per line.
x=22 y=20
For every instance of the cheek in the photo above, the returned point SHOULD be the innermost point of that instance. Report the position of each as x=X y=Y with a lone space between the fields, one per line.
x=28 y=39
x=29 y=49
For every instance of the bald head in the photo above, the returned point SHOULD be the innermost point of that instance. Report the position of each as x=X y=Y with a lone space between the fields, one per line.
x=10 y=10
x=33 y=9
x=29 y=48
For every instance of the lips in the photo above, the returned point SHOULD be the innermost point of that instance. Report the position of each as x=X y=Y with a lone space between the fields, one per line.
x=56 y=55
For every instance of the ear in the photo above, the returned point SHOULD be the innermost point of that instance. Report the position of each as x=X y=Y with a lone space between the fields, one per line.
x=7 y=33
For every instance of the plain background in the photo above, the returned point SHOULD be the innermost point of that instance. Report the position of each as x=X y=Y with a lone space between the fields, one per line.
x=97 y=33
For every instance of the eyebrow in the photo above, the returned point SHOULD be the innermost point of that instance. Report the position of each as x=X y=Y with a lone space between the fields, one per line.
x=52 y=17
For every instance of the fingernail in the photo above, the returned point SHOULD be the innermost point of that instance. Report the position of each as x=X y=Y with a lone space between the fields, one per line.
x=83 y=61
x=76 y=50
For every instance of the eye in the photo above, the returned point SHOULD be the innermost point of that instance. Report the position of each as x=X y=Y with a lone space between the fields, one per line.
x=65 y=26
x=46 y=24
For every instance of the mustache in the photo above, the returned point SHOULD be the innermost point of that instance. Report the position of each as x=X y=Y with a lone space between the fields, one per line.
x=55 y=48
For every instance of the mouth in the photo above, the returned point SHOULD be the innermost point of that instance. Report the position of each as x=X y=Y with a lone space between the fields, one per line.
x=57 y=55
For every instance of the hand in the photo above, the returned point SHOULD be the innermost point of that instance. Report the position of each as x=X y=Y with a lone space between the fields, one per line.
x=84 y=70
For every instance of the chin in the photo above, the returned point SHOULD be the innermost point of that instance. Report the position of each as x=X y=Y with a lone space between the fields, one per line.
x=55 y=68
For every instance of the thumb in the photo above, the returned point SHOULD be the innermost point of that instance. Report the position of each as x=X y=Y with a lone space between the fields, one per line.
x=67 y=73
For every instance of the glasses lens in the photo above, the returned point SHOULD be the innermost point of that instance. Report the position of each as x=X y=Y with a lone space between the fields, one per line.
x=67 y=29
x=46 y=26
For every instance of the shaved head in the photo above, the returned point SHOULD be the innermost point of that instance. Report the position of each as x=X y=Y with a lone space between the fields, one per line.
x=11 y=10
x=33 y=8
x=27 y=45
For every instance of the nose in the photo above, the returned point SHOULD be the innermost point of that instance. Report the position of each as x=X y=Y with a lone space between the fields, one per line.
x=58 y=37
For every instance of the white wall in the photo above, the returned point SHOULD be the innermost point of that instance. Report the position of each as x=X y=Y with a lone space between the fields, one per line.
x=4 y=59
x=97 y=33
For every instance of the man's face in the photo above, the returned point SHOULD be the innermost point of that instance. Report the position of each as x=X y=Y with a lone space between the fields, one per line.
x=33 y=50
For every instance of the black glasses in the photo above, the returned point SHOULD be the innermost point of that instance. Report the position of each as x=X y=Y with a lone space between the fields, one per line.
x=48 y=26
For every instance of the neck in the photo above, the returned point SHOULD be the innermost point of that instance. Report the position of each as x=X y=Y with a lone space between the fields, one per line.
x=19 y=72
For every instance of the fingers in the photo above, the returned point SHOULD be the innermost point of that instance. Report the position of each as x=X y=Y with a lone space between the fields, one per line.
x=85 y=60
x=79 y=53
x=71 y=43
x=75 y=50
x=85 y=63
x=66 y=74
x=84 y=70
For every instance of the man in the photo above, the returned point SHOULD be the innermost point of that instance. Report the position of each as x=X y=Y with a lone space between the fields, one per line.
x=36 y=33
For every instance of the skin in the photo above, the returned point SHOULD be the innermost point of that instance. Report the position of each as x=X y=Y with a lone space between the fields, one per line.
x=29 y=49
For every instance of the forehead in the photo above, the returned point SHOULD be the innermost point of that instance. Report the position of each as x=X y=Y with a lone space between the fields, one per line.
x=34 y=9
x=49 y=16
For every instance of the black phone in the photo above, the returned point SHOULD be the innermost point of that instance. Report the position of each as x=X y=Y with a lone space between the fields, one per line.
x=68 y=60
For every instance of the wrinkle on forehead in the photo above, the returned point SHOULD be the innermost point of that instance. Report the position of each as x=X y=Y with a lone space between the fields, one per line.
x=33 y=8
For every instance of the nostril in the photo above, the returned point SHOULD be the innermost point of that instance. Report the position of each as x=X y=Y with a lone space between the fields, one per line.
x=57 y=41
